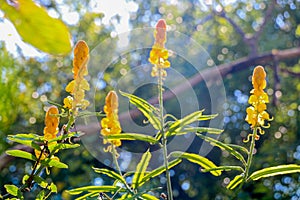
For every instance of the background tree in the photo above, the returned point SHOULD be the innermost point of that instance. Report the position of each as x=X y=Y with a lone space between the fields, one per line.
x=237 y=35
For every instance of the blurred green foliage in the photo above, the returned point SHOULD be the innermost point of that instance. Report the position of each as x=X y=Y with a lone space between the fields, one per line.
x=27 y=83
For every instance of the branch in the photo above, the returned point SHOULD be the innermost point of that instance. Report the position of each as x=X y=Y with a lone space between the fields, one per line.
x=235 y=26
x=267 y=17
x=209 y=73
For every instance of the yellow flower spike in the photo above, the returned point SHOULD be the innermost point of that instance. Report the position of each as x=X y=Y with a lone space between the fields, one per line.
x=81 y=56
x=159 y=54
x=79 y=85
x=258 y=79
x=110 y=125
x=51 y=123
x=256 y=113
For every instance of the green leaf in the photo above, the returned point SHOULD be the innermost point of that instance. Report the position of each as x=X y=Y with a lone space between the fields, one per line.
x=141 y=169
x=40 y=195
x=21 y=154
x=110 y=173
x=36 y=27
x=94 y=189
x=65 y=136
x=149 y=197
x=132 y=136
x=239 y=148
x=158 y=171
x=29 y=139
x=198 y=130
x=50 y=162
x=42 y=182
x=204 y=130
x=200 y=160
x=223 y=146
x=13 y=190
x=179 y=124
x=53 y=187
x=147 y=109
x=65 y=146
x=274 y=171
x=87 y=195
x=235 y=182
x=224 y=168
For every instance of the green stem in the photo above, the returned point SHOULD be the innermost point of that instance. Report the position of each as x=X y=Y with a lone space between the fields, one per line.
x=249 y=161
x=114 y=155
x=164 y=138
x=250 y=156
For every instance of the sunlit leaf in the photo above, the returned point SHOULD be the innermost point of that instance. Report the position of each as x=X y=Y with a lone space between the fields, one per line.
x=41 y=195
x=29 y=139
x=200 y=160
x=13 y=190
x=149 y=197
x=53 y=187
x=36 y=27
x=198 y=130
x=132 y=136
x=21 y=154
x=147 y=109
x=65 y=136
x=239 y=148
x=224 y=168
x=50 y=162
x=235 y=182
x=223 y=146
x=141 y=169
x=110 y=173
x=158 y=171
x=179 y=124
x=103 y=188
x=274 y=171
x=87 y=195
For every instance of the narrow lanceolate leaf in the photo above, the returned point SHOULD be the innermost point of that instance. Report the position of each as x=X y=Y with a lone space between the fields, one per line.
x=224 y=168
x=146 y=108
x=200 y=160
x=200 y=130
x=274 y=171
x=235 y=182
x=50 y=162
x=21 y=154
x=149 y=197
x=94 y=189
x=65 y=136
x=158 y=171
x=110 y=173
x=179 y=124
x=223 y=146
x=31 y=140
x=132 y=136
x=87 y=195
x=239 y=148
x=141 y=169
x=36 y=27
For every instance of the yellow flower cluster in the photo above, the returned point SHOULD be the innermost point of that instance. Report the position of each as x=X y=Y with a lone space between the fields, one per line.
x=159 y=54
x=110 y=124
x=256 y=113
x=79 y=85
x=51 y=123
x=51 y=128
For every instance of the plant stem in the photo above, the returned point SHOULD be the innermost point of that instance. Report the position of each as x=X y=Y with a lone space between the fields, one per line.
x=164 y=138
x=114 y=155
x=250 y=156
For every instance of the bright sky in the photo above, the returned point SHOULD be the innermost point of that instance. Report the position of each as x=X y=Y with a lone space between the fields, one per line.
x=12 y=40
